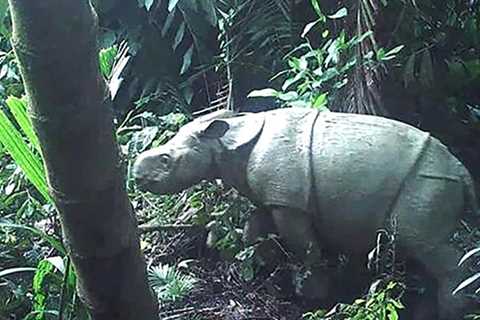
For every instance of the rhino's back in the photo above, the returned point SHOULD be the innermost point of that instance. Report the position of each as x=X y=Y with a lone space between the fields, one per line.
x=360 y=165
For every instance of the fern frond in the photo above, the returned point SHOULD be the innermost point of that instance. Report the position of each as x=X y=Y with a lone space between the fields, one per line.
x=169 y=283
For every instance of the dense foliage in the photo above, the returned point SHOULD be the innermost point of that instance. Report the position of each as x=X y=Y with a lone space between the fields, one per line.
x=168 y=61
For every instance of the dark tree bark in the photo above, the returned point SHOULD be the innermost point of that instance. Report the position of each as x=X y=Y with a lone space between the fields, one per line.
x=55 y=42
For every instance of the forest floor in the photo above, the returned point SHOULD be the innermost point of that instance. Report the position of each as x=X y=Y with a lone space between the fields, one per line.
x=220 y=290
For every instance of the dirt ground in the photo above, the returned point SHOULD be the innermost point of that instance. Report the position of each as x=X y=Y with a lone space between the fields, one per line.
x=220 y=291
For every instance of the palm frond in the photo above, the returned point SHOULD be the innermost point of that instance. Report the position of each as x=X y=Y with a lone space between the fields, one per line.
x=254 y=37
x=363 y=90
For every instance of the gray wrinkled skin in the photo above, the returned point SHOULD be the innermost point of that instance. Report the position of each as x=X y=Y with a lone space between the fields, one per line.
x=332 y=179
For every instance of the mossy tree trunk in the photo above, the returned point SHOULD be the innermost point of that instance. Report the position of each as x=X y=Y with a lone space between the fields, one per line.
x=55 y=42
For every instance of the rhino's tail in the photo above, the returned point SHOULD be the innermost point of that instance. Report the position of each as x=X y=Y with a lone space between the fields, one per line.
x=471 y=204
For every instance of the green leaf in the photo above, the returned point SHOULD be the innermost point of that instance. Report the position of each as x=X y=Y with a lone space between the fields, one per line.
x=309 y=27
x=148 y=4
x=18 y=108
x=168 y=23
x=288 y=96
x=291 y=81
x=395 y=50
x=357 y=39
x=106 y=58
x=172 y=4
x=339 y=14
x=294 y=63
x=397 y=304
x=179 y=36
x=380 y=54
x=30 y=164
x=316 y=7
x=187 y=60
x=268 y=92
x=320 y=101
x=40 y=292
x=392 y=312
x=327 y=75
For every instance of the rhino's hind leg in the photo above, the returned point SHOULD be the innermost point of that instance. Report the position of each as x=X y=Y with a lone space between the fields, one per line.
x=441 y=263
x=424 y=218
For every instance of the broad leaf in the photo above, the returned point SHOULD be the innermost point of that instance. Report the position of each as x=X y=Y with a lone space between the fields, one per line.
x=18 y=108
x=268 y=92
x=19 y=150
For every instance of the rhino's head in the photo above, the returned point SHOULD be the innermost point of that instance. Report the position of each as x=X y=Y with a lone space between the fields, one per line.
x=191 y=155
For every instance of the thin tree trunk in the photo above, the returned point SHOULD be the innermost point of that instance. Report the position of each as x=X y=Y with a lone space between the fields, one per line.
x=55 y=42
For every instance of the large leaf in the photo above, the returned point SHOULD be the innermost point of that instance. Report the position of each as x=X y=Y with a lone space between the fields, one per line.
x=30 y=163
x=18 y=107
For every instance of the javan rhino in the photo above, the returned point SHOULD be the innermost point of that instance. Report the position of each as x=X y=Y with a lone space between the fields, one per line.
x=332 y=179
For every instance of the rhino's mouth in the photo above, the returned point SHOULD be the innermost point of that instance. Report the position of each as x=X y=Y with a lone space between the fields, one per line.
x=156 y=187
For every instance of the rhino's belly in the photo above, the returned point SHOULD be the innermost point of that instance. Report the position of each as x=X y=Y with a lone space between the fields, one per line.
x=360 y=164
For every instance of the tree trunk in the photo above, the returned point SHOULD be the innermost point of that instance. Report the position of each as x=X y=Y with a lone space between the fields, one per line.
x=55 y=42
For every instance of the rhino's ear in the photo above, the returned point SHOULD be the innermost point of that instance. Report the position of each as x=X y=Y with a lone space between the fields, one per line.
x=242 y=130
x=215 y=129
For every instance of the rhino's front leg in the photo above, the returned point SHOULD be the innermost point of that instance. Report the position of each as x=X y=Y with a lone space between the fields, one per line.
x=296 y=229
x=258 y=226
x=257 y=231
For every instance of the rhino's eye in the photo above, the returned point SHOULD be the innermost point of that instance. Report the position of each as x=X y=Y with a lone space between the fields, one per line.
x=164 y=159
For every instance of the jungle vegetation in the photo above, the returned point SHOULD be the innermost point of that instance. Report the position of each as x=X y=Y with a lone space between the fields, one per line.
x=162 y=63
